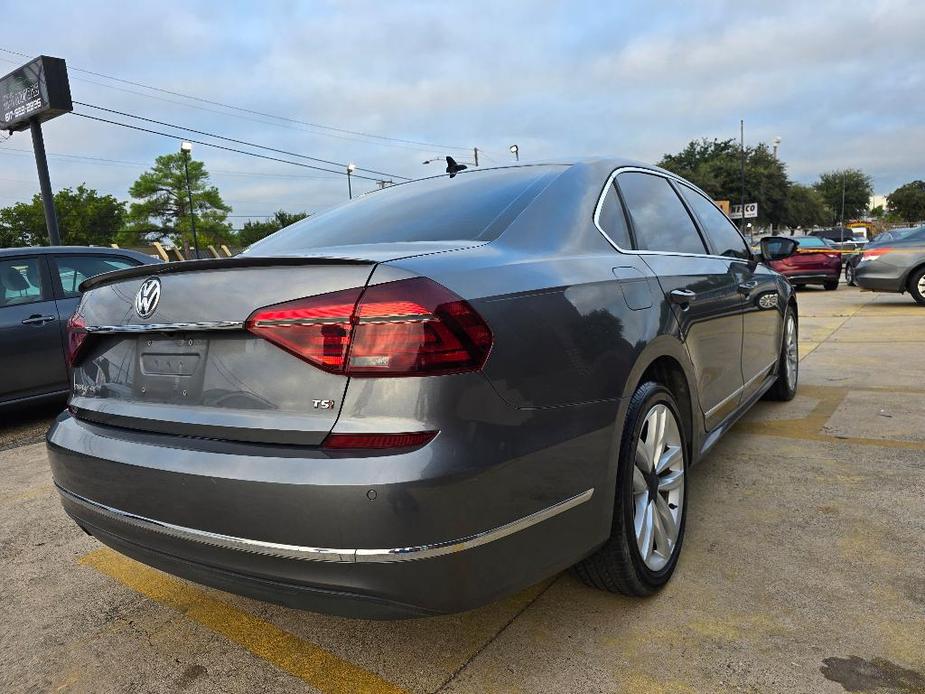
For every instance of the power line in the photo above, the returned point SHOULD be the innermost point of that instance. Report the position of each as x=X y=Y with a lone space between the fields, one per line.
x=251 y=111
x=231 y=139
x=212 y=144
x=101 y=161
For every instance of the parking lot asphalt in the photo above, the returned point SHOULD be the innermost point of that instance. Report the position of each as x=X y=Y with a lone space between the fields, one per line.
x=803 y=570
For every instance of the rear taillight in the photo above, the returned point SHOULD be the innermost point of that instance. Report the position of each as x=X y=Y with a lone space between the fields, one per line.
x=872 y=253
x=378 y=441
x=404 y=328
x=76 y=336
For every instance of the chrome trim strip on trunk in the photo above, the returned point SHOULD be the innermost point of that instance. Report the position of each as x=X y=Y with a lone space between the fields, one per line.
x=165 y=327
x=351 y=556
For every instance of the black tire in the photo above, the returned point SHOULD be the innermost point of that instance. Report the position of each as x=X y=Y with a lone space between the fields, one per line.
x=917 y=280
x=618 y=566
x=830 y=286
x=849 y=274
x=785 y=388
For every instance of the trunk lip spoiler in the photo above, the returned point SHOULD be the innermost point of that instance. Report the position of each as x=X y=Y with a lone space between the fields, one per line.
x=214 y=263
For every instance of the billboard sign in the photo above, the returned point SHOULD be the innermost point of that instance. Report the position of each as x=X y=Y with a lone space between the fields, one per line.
x=751 y=211
x=37 y=90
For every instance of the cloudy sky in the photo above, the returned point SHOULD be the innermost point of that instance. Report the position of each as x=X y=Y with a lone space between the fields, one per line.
x=843 y=85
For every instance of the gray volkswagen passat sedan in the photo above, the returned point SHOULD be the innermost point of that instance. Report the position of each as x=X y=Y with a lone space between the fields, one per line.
x=428 y=397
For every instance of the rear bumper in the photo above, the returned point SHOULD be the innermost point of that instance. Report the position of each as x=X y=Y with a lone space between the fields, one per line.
x=869 y=276
x=376 y=538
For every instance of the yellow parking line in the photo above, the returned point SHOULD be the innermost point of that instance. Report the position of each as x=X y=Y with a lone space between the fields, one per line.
x=310 y=663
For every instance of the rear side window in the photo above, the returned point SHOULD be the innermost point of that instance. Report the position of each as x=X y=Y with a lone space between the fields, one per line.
x=660 y=220
x=74 y=269
x=724 y=237
x=611 y=219
x=473 y=205
x=20 y=281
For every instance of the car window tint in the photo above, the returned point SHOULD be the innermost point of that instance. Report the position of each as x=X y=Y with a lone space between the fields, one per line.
x=660 y=219
x=612 y=220
x=473 y=205
x=812 y=242
x=20 y=281
x=74 y=269
x=724 y=237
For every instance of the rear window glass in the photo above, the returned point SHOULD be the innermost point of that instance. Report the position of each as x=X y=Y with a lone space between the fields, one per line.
x=473 y=205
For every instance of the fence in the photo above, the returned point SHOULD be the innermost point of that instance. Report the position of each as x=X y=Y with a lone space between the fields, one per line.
x=168 y=255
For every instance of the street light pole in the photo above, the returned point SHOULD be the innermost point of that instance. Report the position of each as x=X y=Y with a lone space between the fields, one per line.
x=350 y=169
x=186 y=148
x=742 y=198
x=515 y=150
x=841 y=222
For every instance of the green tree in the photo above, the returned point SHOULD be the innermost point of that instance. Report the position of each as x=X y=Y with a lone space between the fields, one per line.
x=908 y=202
x=85 y=218
x=857 y=191
x=715 y=166
x=877 y=212
x=162 y=206
x=805 y=207
x=254 y=231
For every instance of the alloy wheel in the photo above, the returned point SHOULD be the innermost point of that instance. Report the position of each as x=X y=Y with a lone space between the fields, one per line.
x=791 y=351
x=658 y=487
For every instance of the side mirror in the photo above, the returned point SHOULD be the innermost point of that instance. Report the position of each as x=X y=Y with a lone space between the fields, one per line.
x=777 y=248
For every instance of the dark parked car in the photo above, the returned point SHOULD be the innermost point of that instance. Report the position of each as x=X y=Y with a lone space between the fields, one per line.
x=38 y=293
x=815 y=261
x=844 y=238
x=887 y=237
x=895 y=266
x=429 y=397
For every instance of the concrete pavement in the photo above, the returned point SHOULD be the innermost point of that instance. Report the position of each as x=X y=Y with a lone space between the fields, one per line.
x=802 y=571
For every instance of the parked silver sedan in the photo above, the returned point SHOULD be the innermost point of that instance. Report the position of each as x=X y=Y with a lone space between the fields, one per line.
x=898 y=266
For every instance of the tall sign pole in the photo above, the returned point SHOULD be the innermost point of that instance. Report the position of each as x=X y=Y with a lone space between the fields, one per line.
x=48 y=200
x=30 y=95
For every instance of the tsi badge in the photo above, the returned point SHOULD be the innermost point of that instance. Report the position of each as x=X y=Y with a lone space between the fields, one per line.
x=322 y=404
x=149 y=294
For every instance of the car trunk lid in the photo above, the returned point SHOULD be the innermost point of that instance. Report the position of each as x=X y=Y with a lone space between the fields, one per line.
x=189 y=367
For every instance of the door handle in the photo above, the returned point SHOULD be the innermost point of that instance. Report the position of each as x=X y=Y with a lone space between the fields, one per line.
x=682 y=297
x=36 y=319
x=747 y=287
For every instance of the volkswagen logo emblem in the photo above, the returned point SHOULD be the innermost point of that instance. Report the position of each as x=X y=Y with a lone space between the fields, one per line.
x=149 y=294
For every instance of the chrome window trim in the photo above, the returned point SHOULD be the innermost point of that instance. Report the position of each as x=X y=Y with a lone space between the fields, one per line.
x=350 y=556
x=166 y=327
x=632 y=251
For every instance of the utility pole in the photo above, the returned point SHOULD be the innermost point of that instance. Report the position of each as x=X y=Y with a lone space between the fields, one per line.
x=350 y=169
x=48 y=200
x=742 y=147
x=475 y=151
x=186 y=149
